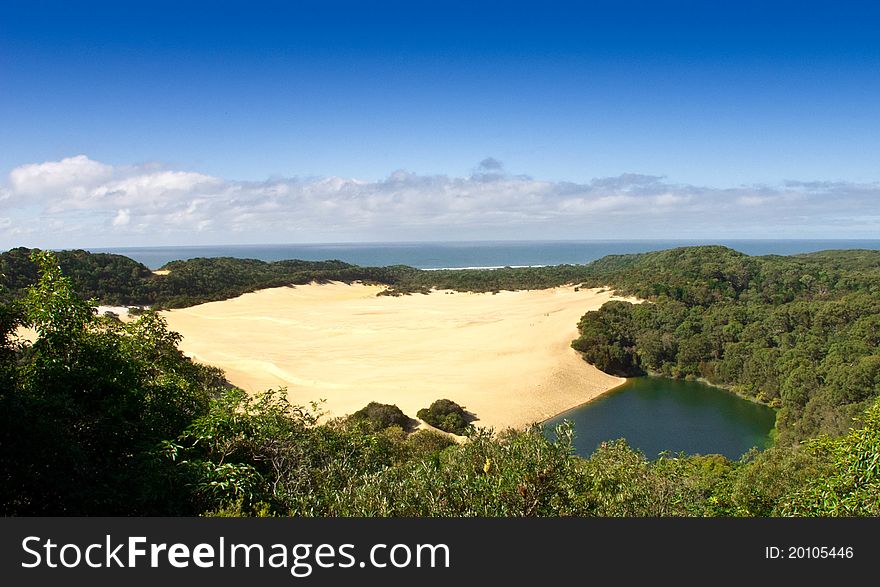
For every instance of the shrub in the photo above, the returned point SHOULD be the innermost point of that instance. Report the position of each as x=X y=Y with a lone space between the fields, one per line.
x=378 y=416
x=428 y=442
x=446 y=415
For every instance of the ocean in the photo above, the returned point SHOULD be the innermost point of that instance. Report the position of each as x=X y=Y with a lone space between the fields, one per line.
x=458 y=255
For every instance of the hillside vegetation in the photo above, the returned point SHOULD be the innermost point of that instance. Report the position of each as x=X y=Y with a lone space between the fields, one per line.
x=799 y=333
x=110 y=279
x=100 y=417
x=118 y=280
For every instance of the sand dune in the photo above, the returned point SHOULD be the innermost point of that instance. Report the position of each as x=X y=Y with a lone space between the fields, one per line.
x=505 y=357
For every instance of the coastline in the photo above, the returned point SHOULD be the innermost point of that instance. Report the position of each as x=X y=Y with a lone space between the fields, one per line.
x=505 y=357
x=583 y=403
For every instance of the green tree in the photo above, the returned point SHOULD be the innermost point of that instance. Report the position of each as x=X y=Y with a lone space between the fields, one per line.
x=850 y=485
x=89 y=402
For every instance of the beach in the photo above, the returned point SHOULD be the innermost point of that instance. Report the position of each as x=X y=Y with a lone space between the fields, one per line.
x=505 y=357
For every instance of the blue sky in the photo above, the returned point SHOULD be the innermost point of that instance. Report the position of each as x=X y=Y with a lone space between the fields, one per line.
x=126 y=123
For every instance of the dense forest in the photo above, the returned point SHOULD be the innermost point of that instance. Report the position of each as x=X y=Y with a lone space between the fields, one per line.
x=101 y=417
x=109 y=279
x=118 y=280
x=799 y=333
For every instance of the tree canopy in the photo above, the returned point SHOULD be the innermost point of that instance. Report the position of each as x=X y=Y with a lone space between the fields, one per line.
x=801 y=333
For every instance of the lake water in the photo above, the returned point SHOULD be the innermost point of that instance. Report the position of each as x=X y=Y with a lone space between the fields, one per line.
x=436 y=255
x=656 y=414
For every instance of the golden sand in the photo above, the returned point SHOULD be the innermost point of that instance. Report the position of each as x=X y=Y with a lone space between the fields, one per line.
x=505 y=357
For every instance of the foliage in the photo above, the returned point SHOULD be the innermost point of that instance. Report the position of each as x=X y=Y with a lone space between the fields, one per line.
x=801 y=334
x=850 y=484
x=607 y=339
x=103 y=417
x=409 y=280
x=202 y=280
x=86 y=406
x=375 y=416
x=113 y=279
x=770 y=476
x=446 y=415
x=521 y=474
x=118 y=280
x=428 y=443
x=260 y=453
x=515 y=473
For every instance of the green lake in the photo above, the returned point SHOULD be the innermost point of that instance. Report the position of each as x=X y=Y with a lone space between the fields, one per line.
x=656 y=414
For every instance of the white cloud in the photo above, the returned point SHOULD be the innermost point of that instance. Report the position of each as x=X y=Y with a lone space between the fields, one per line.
x=671 y=199
x=37 y=178
x=77 y=200
x=123 y=217
x=157 y=190
x=752 y=200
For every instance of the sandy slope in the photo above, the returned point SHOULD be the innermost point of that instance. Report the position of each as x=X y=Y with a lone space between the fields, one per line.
x=505 y=357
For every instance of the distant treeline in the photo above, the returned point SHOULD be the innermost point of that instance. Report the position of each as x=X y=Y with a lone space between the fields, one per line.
x=110 y=279
x=118 y=280
x=800 y=333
